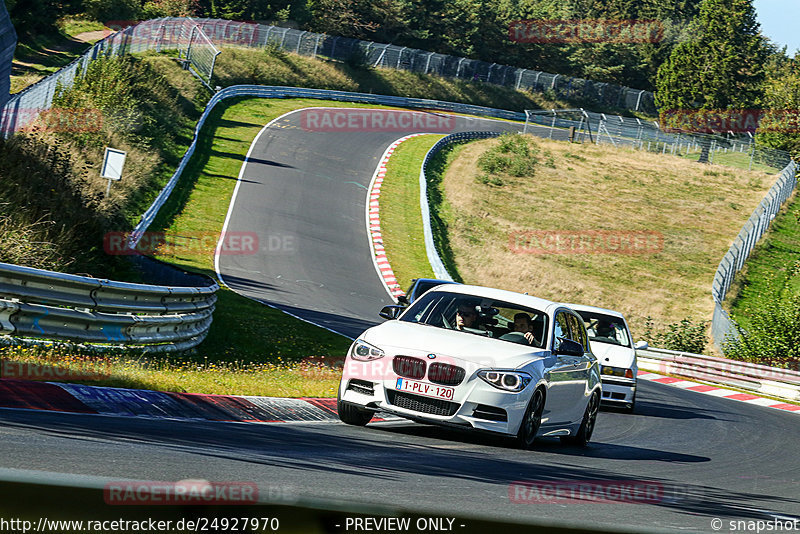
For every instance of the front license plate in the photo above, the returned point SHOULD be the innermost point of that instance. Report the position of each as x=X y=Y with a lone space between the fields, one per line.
x=422 y=388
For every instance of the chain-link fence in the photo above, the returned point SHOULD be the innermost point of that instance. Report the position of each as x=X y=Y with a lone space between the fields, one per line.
x=735 y=151
x=197 y=41
x=8 y=41
x=231 y=33
x=184 y=35
x=722 y=327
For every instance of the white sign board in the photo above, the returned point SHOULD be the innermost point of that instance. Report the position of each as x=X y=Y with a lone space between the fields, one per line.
x=113 y=161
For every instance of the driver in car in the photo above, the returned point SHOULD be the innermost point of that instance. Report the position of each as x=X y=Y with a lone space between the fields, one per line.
x=466 y=317
x=524 y=325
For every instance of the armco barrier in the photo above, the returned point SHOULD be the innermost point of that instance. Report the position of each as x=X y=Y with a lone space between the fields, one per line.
x=434 y=259
x=762 y=379
x=49 y=305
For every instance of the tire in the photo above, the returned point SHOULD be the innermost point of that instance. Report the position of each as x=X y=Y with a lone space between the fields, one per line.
x=581 y=439
x=350 y=414
x=532 y=420
x=632 y=407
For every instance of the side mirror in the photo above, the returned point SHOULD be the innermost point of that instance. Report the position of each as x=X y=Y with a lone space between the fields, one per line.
x=391 y=312
x=402 y=299
x=641 y=345
x=569 y=348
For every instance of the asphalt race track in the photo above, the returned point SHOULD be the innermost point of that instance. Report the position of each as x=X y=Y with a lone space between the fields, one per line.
x=304 y=193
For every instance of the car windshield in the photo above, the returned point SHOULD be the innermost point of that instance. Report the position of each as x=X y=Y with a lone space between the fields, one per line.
x=604 y=328
x=479 y=316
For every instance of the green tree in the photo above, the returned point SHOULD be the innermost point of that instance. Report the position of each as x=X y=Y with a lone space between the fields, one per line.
x=723 y=67
x=772 y=336
x=780 y=127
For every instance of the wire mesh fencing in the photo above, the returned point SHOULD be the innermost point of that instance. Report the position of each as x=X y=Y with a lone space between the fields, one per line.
x=732 y=150
x=722 y=326
x=247 y=34
x=181 y=34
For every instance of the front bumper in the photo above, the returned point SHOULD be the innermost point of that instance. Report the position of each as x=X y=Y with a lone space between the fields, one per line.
x=618 y=391
x=475 y=403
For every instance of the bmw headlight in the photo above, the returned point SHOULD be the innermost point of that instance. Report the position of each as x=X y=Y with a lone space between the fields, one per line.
x=506 y=380
x=363 y=351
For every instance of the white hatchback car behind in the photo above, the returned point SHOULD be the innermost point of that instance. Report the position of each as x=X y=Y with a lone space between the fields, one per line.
x=613 y=346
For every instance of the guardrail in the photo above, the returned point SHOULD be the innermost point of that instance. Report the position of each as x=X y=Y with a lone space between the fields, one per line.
x=45 y=304
x=434 y=259
x=762 y=379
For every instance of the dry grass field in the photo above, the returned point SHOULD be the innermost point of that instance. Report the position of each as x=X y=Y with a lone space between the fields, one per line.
x=498 y=227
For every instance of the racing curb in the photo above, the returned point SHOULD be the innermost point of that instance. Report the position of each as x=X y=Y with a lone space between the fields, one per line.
x=98 y=400
x=76 y=398
x=374 y=223
x=716 y=391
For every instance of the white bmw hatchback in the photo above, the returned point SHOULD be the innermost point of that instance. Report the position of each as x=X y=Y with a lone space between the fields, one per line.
x=477 y=358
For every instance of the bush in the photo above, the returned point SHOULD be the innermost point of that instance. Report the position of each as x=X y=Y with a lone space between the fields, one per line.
x=514 y=155
x=106 y=10
x=773 y=334
x=684 y=336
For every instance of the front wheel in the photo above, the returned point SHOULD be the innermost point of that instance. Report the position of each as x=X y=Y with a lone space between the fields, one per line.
x=584 y=434
x=350 y=414
x=532 y=421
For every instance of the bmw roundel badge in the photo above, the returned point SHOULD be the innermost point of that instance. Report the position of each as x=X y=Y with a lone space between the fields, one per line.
x=431 y=356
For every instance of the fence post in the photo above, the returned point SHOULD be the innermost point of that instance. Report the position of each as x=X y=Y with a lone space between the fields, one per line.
x=316 y=45
x=333 y=47
x=519 y=78
x=638 y=100
x=399 y=57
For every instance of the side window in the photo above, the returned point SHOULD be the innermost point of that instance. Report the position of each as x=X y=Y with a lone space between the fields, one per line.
x=578 y=331
x=560 y=329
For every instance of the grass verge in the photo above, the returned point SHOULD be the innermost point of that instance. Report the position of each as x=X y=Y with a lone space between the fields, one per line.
x=770 y=263
x=401 y=218
x=127 y=369
x=38 y=56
